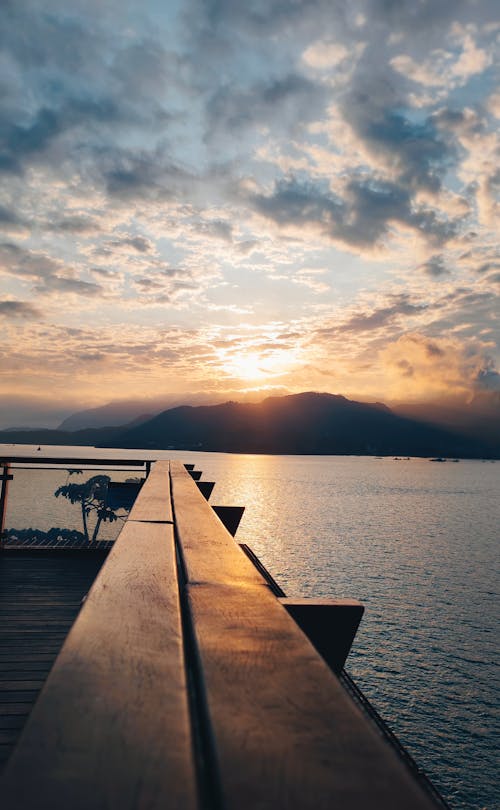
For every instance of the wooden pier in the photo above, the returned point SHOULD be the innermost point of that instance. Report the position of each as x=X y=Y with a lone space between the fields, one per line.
x=185 y=683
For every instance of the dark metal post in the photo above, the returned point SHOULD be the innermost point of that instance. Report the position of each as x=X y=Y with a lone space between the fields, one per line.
x=5 y=478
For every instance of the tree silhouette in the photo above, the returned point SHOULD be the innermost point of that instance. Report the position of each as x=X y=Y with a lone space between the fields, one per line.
x=92 y=497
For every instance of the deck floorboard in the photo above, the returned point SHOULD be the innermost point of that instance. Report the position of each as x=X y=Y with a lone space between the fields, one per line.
x=40 y=597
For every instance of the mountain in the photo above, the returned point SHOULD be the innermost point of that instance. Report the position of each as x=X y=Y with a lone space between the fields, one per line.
x=123 y=411
x=91 y=437
x=309 y=423
x=477 y=418
x=113 y=414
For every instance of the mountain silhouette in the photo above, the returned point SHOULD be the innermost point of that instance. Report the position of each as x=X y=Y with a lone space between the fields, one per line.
x=309 y=423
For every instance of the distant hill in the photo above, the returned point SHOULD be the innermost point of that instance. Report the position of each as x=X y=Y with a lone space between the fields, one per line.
x=301 y=423
x=91 y=437
x=308 y=423
x=113 y=414
x=124 y=411
x=478 y=418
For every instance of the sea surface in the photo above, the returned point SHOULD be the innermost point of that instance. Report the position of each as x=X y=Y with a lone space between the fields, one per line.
x=415 y=541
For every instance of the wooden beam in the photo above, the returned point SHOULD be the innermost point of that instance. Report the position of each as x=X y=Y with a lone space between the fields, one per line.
x=205 y=488
x=153 y=504
x=329 y=624
x=284 y=731
x=111 y=728
x=72 y=461
x=230 y=517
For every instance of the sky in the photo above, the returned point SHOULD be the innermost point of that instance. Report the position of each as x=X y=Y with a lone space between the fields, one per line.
x=213 y=199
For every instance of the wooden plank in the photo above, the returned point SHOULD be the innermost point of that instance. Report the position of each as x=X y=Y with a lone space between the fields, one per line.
x=17 y=696
x=16 y=684
x=12 y=722
x=330 y=624
x=285 y=732
x=15 y=659
x=40 y=596
x=8 y=736
x=153 y=503
x=16 y=708
x=110 y=728
x=22 y=675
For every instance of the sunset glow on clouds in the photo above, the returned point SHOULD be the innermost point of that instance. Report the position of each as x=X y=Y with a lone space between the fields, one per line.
x=220 y=199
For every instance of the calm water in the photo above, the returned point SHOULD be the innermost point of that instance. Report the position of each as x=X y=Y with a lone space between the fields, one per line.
x=417 y=543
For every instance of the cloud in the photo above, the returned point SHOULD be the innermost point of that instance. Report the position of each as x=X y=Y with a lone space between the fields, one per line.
x=440 y=366
x=361 y=216
x=435 y=266
x=77 y=223
x=130 y=174
x=19 y=309
x=414 y=153
x=323 y=54
x=216 y=228
x=288 y=101
x=255 y=18
x=379 y=318
x=487 y=377
x=493 y=104
x=48 y=274
x=198 y=162
x=62 y=284
x=443 y=68
x=10 y=218
x=139 y=243
x=18 y=261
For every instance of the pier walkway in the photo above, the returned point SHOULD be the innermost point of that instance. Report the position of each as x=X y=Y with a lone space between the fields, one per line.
x=185 y=683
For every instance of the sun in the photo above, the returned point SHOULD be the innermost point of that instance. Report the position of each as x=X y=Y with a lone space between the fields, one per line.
x=247 y=366
x=252 y=366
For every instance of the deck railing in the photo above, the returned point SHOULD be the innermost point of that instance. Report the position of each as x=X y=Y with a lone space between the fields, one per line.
x=116 y=493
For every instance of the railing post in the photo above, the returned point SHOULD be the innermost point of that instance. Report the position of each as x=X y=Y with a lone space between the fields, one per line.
x=5 y=478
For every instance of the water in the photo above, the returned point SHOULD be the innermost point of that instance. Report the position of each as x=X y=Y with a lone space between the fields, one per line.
x=416 y=542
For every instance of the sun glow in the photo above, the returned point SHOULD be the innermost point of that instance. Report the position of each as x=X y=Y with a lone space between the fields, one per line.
x=248 y=366
x=252 y=366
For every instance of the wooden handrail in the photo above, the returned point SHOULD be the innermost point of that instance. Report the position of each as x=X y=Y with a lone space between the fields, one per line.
x=71 y=460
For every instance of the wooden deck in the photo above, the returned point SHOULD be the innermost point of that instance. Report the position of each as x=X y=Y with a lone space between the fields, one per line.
x=40 y=596
x=185 y=683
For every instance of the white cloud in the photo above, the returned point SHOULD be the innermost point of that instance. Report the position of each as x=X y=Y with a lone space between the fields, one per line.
x=323 y=55
x=493 y=104
x=444 y=68
x=472 y=60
